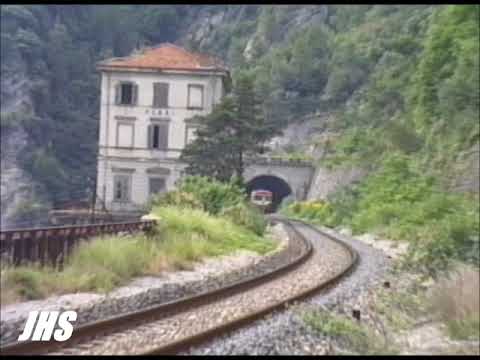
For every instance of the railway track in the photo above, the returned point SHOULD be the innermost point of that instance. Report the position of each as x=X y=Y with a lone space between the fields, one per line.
x=179 y=325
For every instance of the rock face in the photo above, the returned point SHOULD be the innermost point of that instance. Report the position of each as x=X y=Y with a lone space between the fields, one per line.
x=300 y=135
x=311 y=137
x=17 y=187
x=328 y=181
x=205 y=26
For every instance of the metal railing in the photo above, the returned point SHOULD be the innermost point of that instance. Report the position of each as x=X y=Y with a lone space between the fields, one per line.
x=50 y=245
x=277 y=160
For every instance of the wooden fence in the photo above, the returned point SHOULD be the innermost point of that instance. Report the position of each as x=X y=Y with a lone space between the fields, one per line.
x=51 y=245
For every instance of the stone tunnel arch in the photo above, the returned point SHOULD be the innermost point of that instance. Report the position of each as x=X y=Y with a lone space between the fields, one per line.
x=279 y=187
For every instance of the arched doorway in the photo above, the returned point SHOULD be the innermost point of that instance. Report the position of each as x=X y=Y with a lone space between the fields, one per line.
x=276 y=185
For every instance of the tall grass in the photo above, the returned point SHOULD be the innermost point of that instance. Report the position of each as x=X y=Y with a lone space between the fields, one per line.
x=214 y=197
x=184 y=235
x=456 y=300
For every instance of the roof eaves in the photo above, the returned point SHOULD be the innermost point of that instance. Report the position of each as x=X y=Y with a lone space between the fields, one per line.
x=157 y=69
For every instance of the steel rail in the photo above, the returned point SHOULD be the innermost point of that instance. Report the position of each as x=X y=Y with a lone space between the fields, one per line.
x=90 y=331
x=183 y=345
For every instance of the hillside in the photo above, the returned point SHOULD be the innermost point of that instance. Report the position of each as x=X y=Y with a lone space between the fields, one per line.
x=371 y=81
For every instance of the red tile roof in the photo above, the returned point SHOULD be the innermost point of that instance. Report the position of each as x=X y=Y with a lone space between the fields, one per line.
x=167 y=57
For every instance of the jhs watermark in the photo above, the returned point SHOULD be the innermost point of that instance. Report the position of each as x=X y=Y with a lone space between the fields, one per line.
x=43 y=329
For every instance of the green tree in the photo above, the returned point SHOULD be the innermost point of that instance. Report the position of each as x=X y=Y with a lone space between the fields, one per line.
x=211 y=154
x=236 y=128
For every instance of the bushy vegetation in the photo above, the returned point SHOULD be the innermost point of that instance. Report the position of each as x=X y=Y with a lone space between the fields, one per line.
x=315 y=211
x=421 y=97
x=220 y=231
x=246 y=215
x=184 y=236
x=401 y=203
x=226 y=199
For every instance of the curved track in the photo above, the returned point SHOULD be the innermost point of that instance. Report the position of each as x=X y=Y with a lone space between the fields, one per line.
x=176 y=326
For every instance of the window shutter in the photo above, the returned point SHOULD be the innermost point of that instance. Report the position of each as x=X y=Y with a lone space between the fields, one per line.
x=149 y=136
x=155 y=92
x=134 y=94
x=117 y=93
x=195 y=96
x=160 y=95
x=164 y=96
x=163 y=136
x=156 y=95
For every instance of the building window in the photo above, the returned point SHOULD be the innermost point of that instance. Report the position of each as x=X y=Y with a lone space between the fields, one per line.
x=195 y=96
x=190 y=134
x=125 y=134
x=121 y=188
x=156 y=185
x=160 y=95
x=126 y=93
x=158 y=136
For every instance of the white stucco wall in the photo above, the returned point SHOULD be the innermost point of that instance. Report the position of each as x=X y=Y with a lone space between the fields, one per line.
x=177 y=111
x=136 y=119
x=139 y=190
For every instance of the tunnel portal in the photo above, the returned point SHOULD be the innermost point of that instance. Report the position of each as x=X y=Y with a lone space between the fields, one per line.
x=276 y=185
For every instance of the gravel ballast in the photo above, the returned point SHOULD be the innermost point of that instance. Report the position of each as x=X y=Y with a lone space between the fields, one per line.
x=148 y=291
x=328 y=260
x=284 y=333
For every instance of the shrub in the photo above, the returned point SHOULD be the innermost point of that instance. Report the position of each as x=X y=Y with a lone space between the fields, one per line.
x=399 y=202
x=213 y=195
x=216 y=198
x=202 y=193
x=317 y=211
x=402 y=203
x=246 y=215
x=221 y=232
x=175 y=198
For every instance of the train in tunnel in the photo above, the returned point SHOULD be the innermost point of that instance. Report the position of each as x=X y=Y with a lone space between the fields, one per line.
x=267 y=192
x=262 y=199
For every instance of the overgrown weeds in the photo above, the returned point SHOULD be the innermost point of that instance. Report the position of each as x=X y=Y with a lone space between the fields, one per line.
x=184 y=236
x=456 y=300
x=351 y=336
